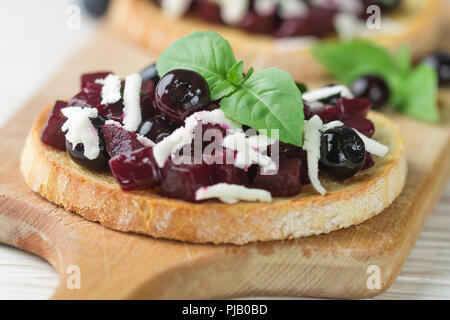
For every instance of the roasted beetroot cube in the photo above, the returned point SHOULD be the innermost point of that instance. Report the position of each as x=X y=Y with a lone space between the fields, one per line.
x=136 y=170
x=369 y=161
x=52 y=133
x=181 y=181
x=327 y=113
x=226 y=172
x=119 y=141
x=88 y=80
x=208 y=10
x=257 y=23
x=353 y=108
x=318 y=22
x=285 y=183
x=364 y=126
x=87 y=99
x=112 y=111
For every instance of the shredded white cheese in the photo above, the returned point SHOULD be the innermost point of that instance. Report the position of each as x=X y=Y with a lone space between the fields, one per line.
x=175 y=8
x=145 y=141
x=291 y=9
x=233 y=11
x=372 y=146
x=265 y=7
x=332 y=125
x=246 y=154
x=325 y=92
x=132 y=102
x=211 y=117
x=232 y=193
x=184 y=135
x=81 y=130
x=312 y=131
x=111 y=88
x=171 y=144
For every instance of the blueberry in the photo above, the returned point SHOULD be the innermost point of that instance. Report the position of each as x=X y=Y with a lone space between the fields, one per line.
x=342 y=153
x=371 y=87
x=150 y=73
x=180 y=93
x=440 y=61
x=77 y=153
x=97 y=8
x=156 y=128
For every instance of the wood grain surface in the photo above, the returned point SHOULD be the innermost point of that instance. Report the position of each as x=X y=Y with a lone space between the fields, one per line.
x=117 y=265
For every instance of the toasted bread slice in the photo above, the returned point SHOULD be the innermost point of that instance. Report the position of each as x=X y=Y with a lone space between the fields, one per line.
x=97 y=197
x=418 y=21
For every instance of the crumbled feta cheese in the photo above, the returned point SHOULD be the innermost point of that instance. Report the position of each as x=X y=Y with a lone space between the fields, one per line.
x=175 y=8
x=81 y=130
x=325 y=92
x=233 y=11
x=111 y=89
x=232 y=193
x=132 y=102
x=372 y=146
x=312 y=131
x=291 y=9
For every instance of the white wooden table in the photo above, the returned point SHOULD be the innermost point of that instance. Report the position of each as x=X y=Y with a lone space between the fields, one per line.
x=35 y=42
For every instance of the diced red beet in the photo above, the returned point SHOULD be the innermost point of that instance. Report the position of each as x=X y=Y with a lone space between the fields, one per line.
x=327 y=113
x=148 y=87
x=318 y=22
x=88 y=99
x=257 y=23
x=182 y=180
x=369 y=161
x=52 y=133
x=364 y=126
x=224 y=172
x=208 y=10
x=287 y=182
x=112 y=111
x=136 y=170
x=119 y=141
x=353 y=108
x=88 y=80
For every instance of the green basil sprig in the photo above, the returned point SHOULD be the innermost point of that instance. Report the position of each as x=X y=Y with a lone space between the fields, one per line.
x=413 y=90
x=267 y=99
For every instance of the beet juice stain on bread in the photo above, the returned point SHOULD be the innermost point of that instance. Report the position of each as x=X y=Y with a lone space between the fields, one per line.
x=196 y=149
x=280 y=33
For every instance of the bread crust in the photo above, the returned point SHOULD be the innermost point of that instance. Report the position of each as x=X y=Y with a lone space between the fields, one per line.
x=97 y=197
x=144 y=23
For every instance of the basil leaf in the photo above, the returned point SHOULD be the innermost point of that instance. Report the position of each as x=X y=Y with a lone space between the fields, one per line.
x=268 y=100
x=412 y=91
x=235 y=74
x=347 y=60
x=223 y=89
x=204 y=52
x=421 y=94
x=248 y=75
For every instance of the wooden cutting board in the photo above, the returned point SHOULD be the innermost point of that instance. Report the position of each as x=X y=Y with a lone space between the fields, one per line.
x=115 y=265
